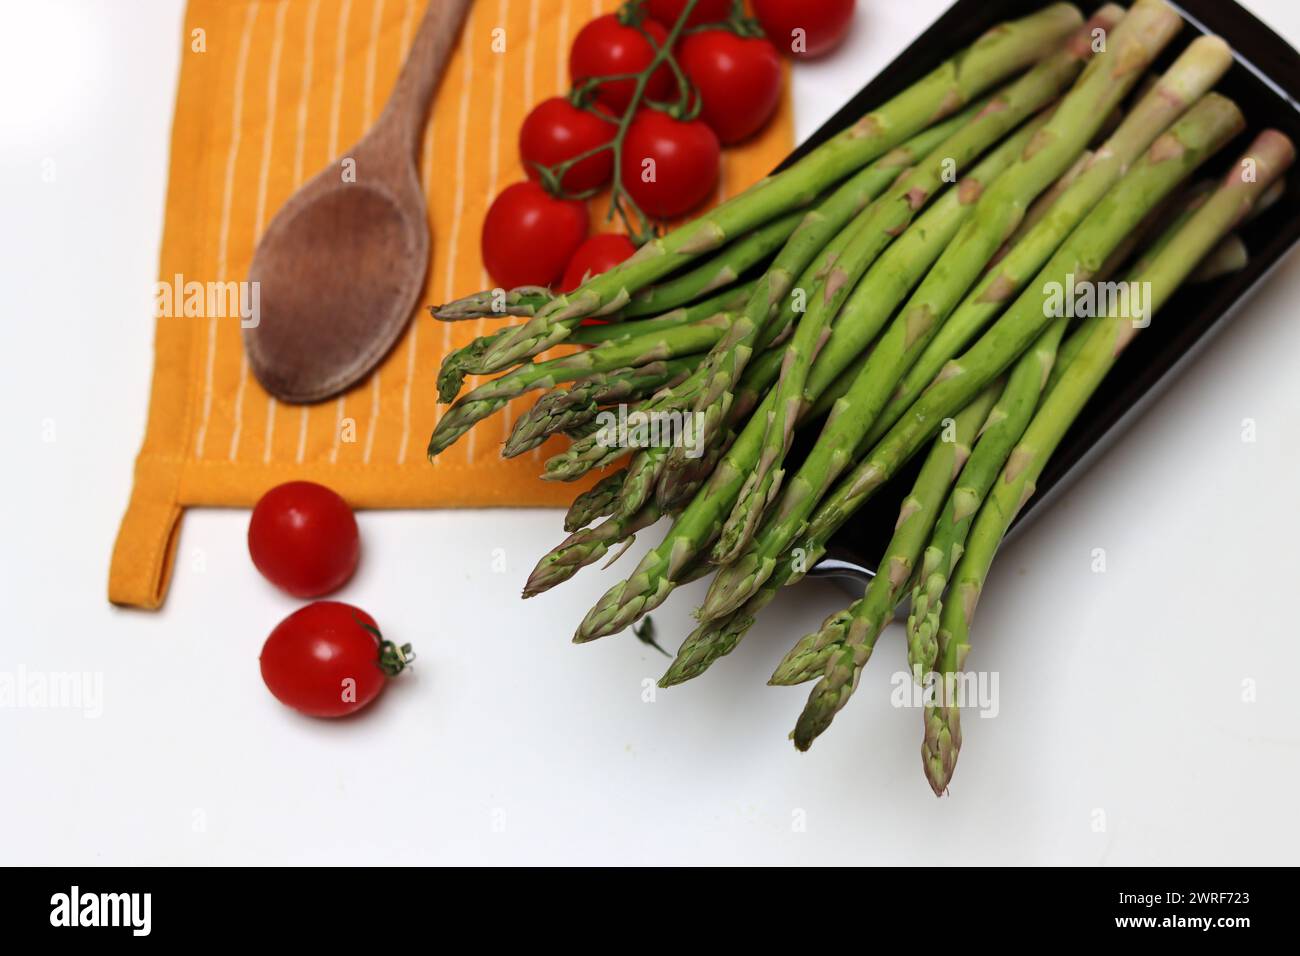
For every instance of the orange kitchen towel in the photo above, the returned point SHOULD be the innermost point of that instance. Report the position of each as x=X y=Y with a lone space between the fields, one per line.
x=270 y=92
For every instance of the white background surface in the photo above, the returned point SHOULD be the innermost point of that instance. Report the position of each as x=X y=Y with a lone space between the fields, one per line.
x=1120 y=692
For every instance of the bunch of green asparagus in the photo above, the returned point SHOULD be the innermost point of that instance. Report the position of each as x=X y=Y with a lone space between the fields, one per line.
x=894 y=293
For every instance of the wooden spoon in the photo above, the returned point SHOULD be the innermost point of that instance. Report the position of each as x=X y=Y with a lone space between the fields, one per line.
x=341 y=265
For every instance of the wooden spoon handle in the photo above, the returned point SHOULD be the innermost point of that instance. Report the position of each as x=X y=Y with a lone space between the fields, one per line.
x=407 y=107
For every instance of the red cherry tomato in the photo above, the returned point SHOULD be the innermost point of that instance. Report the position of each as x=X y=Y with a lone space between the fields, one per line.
x=598 y=254
x=604 y=47
x=738 y=79
x=669 y=167
x=823 y=22
x=529 y=235
x=556 y=131
x=303 y=538
x=327 y=660
x=706 y=11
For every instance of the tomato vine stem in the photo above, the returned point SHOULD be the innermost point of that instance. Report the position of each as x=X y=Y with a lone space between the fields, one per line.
x=686 y=107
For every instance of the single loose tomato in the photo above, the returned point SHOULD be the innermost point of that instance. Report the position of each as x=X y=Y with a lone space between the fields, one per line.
x=669 y=166
x=605 y=47
x=303 y=538
x=805 y=28
x=556 y=131
x=328 y=659
x=529 y=236
x=706 y=11
x=738 y=79
x=598 y=254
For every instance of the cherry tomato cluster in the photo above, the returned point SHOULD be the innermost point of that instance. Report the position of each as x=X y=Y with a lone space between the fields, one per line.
x=327 y=659
x=659 y=87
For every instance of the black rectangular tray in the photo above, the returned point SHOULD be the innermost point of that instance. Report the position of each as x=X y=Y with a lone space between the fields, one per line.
x=1265 y=82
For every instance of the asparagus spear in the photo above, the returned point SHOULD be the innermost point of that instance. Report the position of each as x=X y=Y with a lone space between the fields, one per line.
x=647 y=463
x=729 y=265
x=595 y=502
x=1171 y=158
x=754 y=384
x=762 y=373
x=1107 y=336
x=915 y=521
x=638 y=350
x=888 y=217
x=1002 y=52
x=1229 y=256
x=807 y=659
x=1133 y=43
x=586 y=455
x=903 y=262
x=1152 y=225
x=465 y=360
x=595 y=452
x=562 y=410
x=458 y=363
x=585 y=547
x=524 y=300
x=728 y=300
x=1192 y=75
x=1005 y=425
x=1040 y=206
x=717 y=273
x=833 y=393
